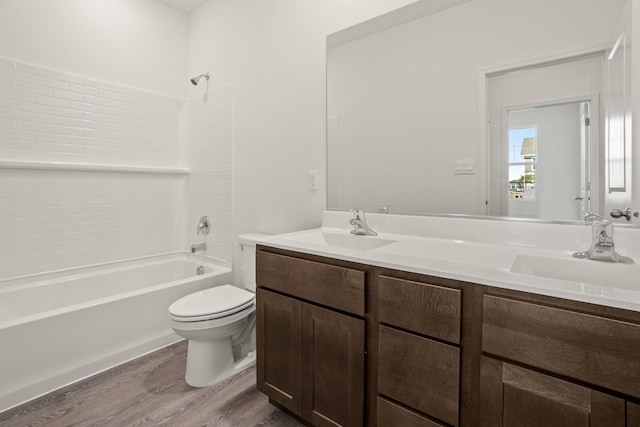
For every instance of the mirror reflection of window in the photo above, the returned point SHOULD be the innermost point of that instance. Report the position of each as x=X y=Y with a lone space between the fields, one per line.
x=522 y=163
x=547 y=160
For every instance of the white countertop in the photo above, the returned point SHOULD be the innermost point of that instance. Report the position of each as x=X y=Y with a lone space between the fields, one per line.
x=482 y=251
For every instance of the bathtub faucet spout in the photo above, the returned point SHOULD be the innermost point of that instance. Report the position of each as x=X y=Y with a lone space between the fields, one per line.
x=200 y=247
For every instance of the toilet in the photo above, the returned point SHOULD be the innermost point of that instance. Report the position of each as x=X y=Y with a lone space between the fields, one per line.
x=219 y=323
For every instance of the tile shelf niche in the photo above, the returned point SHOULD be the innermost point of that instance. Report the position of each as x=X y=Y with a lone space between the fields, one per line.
x=91 y=167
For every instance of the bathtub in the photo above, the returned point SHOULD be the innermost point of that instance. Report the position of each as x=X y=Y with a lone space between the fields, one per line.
x=60 y=327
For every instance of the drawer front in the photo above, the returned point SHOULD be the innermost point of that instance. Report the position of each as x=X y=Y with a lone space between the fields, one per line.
x=593 y=349
x=337 y=287
x=420 y=307
x=392 y=415
x=420 y=373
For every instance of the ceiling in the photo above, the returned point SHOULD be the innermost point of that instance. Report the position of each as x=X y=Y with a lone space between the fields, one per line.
x=187 y=6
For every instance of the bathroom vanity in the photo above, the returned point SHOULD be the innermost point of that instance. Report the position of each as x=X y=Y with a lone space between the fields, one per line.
x=345 y=339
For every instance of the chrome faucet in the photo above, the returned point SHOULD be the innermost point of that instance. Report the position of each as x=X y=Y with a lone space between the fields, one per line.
x=359 y=223
x=602 y=246
x=200 y=247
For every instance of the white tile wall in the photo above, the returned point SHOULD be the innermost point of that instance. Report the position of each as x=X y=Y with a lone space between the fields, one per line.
x=54 y=219
x=57 y=219
x=208 y=132
x=48 y=115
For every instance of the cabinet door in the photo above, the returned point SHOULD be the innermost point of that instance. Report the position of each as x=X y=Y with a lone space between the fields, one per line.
x=333 y=368
x=279 y=349
x=633 y=414
x=518 y=397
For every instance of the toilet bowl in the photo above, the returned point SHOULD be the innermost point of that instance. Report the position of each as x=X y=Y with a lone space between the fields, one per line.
x=219 y=323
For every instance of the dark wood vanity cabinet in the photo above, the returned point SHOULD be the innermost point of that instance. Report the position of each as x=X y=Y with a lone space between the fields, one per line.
x=554 y=365
x=311 y=359
x=348 y=344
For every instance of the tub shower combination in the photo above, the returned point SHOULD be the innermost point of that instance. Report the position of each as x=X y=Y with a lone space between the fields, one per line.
x=60 y=327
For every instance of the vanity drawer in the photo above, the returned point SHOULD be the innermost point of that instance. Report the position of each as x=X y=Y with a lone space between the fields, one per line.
x=420 y=373
x=336 y=287
x=597 y=350
x=420 y=307
x=393 y=415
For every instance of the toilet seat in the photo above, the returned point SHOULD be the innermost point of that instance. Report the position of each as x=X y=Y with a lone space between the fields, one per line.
x=212 y=303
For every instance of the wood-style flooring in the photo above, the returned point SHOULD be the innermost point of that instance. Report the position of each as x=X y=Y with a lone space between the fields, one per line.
x=150 y=391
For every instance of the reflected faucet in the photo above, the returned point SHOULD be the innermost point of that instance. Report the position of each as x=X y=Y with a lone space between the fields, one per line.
x=602 y=246
x=359 y=223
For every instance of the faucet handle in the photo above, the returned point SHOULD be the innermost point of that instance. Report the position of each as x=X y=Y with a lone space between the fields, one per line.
x=599 y=224
x=602 y=229
x=358 y=214
x=590 y=216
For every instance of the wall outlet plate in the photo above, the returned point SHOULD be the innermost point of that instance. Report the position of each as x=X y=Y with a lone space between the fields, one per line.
x=312 y=180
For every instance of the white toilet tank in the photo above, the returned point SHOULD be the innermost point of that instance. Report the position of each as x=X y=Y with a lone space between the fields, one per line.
x=248 y=259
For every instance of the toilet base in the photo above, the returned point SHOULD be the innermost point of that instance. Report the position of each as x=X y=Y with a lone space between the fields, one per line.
x=209 y=362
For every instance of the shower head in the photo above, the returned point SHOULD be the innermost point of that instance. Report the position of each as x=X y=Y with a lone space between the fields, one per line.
x=195 y=80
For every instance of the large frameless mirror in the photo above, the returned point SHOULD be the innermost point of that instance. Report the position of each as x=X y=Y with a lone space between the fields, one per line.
x=505 y=108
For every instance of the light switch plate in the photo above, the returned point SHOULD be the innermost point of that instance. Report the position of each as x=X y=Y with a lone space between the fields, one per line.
x=465 y=167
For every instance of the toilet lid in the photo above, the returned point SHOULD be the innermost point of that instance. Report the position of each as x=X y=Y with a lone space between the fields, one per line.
x=212 y=303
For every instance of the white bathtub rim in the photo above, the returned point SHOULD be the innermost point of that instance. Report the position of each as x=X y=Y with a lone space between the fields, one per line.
x=24 y=281
x=123 y=263
x=95 y=302
x=218 y=271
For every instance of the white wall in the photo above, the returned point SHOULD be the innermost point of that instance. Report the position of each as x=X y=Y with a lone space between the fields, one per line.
x=274 y=54
x=138 y=43
x=417 y=87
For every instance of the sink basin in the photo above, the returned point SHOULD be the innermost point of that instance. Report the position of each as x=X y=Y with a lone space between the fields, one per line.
x=342 y=240
x=604 y=274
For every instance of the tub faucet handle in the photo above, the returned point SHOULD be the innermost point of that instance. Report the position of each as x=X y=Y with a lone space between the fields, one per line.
x=204 y=225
